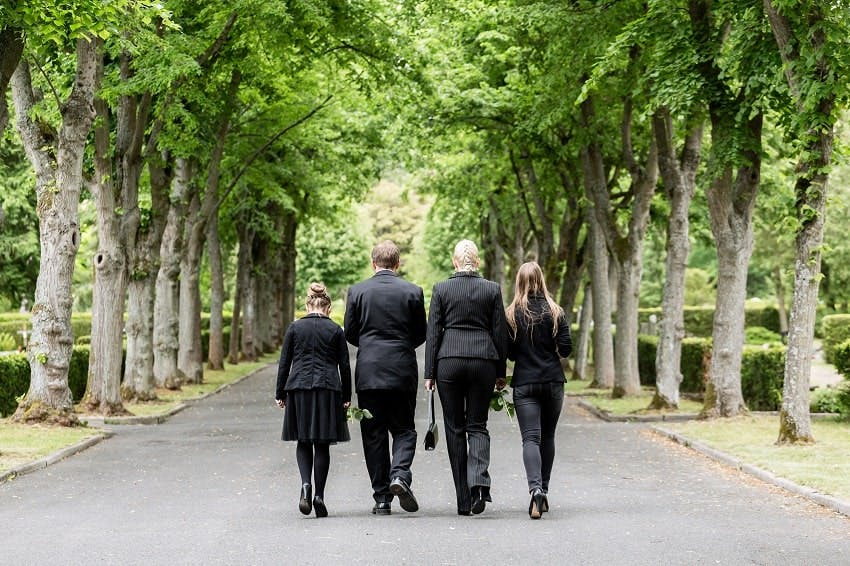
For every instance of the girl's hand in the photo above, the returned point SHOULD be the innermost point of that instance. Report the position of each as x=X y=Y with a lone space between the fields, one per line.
x=429 y=385
x=346 y=405
x=280 y=403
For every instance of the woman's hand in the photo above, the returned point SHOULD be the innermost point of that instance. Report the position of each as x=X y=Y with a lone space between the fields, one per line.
x=429 y=385
x=501 y=383
x=346 y=405
x=280 y=403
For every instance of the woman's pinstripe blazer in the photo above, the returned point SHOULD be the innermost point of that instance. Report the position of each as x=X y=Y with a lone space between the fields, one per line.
x=466 y=320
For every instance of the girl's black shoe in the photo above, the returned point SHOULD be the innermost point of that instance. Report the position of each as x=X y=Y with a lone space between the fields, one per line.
x=305 y=504
x=319 y=506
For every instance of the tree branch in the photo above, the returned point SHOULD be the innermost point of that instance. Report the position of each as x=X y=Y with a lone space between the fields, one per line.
x=259 y=151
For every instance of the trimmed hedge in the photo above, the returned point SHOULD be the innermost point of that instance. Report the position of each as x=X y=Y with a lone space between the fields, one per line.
x=14 y=381
x=15 y=377
x=841 y=358
x=762 y=370
x=14 y=322
x=835 y=329
x=762 y=375
x=699 y=321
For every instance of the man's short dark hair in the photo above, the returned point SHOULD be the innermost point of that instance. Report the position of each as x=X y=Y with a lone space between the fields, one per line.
x=386 y=255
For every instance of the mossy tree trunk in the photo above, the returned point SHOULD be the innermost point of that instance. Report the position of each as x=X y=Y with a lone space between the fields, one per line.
x=57 y=160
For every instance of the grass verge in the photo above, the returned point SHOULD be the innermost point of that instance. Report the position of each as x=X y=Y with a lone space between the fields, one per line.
x=636 y=405
x=823 y=466
x=21 y=444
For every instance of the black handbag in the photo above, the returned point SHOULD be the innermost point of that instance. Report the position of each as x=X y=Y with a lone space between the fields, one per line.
x=433 y=433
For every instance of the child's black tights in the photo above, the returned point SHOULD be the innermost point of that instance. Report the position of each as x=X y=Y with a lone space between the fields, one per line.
x=314 y=458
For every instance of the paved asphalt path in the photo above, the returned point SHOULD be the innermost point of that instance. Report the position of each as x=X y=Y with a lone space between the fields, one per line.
x=215 y=485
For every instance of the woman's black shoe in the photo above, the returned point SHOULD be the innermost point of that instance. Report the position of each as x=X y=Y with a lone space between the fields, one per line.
x=464 y=512
x=319 y=506
x=535 y=506
x=478 y=500
x=305 y=504
x=545 y=507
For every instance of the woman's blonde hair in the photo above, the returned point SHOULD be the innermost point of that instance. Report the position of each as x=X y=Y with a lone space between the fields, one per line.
x=466 y=256
x=529 y=281
x=318 y=298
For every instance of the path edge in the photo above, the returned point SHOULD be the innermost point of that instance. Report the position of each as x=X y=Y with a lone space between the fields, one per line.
x=54 y=457
x=828 y=501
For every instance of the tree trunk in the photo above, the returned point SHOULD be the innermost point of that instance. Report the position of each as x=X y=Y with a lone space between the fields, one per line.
x=627 y=249
x=679 y=184
x=103 y=387
x=730 y=207
x=583 y=338
x=166 y=306
x=11 y=49
x=190 y=357
x=779 y=287
x=235 y=323
x=290 y=227
x=59 y=179
x=246 y=291
x=215 y=350
x=139 y=381
x=811 y=190
x=603 y=345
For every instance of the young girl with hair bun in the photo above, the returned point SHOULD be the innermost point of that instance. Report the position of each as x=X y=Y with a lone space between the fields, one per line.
x=314 y=385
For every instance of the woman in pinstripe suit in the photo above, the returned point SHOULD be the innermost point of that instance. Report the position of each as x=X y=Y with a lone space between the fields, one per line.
x=465 y=352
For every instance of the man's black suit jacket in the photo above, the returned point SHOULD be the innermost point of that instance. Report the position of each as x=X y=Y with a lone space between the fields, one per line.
x=466 y=320
x=385 y=319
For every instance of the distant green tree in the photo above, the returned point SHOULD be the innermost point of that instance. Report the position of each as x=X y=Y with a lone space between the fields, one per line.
x=19 y=249
x=334 y=253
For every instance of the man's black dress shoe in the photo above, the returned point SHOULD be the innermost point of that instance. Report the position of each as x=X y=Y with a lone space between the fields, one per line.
x=305 y=504
x=382 y=508
x=479 y=501
x=319 y=506
x=400 y=489
x=464 y=512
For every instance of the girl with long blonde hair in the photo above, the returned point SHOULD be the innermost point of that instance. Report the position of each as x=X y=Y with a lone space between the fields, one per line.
x=540 y=336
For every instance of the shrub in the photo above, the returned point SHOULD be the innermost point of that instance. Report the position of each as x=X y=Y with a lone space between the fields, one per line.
x=699 y=320
x=835 y=329
x=762 y=370
x=691 y=365
x=7 y=342
x=841 y=358
x=14 y=381
x=694 y=353
x=833 y=400
x=762 y=374
x=824 y=400
x=760 y=335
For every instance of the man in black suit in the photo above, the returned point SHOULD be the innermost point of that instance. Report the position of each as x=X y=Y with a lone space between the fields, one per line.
x=385 y=320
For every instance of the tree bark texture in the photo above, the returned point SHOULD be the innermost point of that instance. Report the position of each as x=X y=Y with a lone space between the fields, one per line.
x=735 y=162
x=679 y=185
x=190 y=357
x=215 y=349
x=166 y=306
x=57 y=162
x=603 y=344
x=103 y=387
x=811 y=190
x=139 y=382
x=626 y=248
x=245 y=282
x=730 y=206
x=11 y=49
x=583 y=339
x=290 y=227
